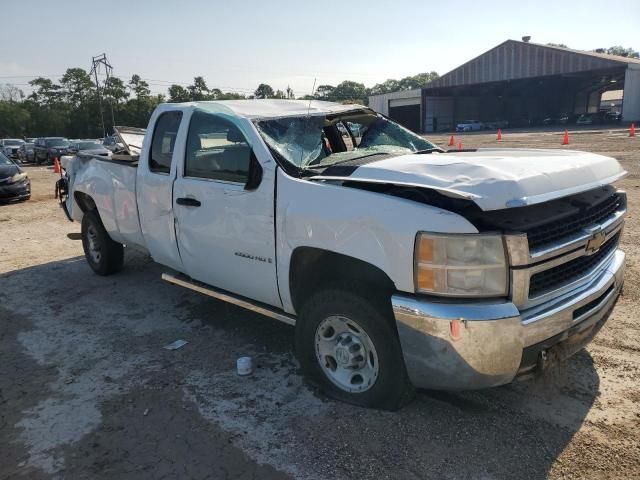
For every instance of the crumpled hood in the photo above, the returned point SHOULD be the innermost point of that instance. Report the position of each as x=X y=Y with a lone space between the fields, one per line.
x=496 y=178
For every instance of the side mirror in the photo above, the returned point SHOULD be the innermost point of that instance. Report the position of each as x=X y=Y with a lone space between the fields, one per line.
x=255 y=173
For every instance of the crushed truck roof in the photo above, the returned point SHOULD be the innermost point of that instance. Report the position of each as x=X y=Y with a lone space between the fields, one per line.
x=272 y=108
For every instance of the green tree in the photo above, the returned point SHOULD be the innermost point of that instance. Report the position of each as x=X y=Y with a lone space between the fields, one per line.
x=81 y=103
x=139 y=87
x=349 y=92
x=139 y=108
x=115 y=90
x=47 y=108
x=264 y=91
x=76 y=86
x=279 y=94
x=389 y=85
x=15 y=119
x=324 y=92
x=623 y=52
x=231 y=96
x=417 y=81
x=45 y=91
x=199 y=90
x=406 y=83
x=178 y=94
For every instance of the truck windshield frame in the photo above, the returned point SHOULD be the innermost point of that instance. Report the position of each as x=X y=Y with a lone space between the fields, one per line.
x=320 y=141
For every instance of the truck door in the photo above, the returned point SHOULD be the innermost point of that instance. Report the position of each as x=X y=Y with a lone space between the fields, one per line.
x=154 y=188
x=225 y=231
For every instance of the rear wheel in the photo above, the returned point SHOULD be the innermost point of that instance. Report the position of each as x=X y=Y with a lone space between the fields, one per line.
x=347 y=342
x=103 y=255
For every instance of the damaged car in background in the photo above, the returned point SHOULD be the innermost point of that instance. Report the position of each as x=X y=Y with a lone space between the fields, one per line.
x=400 y=264
x=14 y=182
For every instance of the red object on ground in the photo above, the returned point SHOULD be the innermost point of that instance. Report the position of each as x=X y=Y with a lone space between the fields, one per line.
x=632 y=130
x=452 y=141
x=455 y=329
x=56 y=165
x=460 y=146
x=565 y=139
x=499 y=135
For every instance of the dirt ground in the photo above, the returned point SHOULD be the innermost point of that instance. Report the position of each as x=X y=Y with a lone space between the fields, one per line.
x=88 y=392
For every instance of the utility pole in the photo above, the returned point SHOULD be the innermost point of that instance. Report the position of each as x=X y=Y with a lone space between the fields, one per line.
x=96 y=64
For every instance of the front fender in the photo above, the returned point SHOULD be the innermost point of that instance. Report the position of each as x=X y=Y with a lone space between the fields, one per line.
x=376 y=228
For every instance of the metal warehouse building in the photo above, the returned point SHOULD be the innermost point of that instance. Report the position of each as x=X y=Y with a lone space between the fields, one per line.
x=519 y=82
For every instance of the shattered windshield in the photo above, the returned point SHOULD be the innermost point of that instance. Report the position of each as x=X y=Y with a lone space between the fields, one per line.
x=318 y=141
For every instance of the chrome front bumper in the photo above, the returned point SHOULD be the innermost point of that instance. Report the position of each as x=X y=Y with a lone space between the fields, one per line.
x=461 y=346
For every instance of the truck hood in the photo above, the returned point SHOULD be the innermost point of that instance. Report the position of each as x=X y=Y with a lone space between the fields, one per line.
x=494 y=178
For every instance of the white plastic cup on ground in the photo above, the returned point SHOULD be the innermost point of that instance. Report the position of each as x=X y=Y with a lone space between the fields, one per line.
x=244 y=366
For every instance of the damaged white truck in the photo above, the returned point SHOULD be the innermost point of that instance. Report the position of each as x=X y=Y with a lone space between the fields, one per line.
x=400 y=265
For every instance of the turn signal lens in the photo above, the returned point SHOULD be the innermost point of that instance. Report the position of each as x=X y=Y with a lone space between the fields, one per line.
x=425 y=249
x=426 y=279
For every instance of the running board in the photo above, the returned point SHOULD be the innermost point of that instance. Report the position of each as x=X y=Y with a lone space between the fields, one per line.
x=186 y=282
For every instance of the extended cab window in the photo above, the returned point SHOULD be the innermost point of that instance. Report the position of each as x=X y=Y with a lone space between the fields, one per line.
x=216 y=149
x=163 y=142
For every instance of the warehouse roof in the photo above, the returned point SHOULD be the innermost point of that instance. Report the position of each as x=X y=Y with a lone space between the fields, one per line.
x=513 y=60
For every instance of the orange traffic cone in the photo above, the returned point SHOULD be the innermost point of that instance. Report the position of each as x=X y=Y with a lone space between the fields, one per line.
x=460 y=146
x=565 y=139
x=56 y=165
x=452 y=141
x=499 y=135
x=632 y=130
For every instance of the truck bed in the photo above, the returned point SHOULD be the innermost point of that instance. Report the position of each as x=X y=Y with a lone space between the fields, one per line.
x=112 y=184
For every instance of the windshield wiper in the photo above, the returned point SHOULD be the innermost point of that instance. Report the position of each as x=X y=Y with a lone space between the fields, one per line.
x=428 y=150
x=327 y=165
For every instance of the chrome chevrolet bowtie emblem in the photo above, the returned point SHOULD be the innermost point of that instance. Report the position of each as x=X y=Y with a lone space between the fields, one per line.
x=595 y=242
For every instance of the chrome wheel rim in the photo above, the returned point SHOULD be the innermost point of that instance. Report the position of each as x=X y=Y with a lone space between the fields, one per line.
x=346 y=354
x=94 y=249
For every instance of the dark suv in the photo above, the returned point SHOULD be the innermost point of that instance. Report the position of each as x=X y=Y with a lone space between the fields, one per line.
x=48 y=148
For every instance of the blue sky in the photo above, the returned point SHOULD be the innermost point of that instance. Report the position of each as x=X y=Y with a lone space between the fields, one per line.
x=237 y=44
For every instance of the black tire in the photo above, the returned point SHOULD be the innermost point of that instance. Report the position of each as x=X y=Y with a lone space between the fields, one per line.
x=392 y=388
x=49 y=161
x=106 y=257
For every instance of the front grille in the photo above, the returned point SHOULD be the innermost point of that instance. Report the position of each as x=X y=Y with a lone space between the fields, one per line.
x=578 y=312
x=554 y=231
x=563 y=274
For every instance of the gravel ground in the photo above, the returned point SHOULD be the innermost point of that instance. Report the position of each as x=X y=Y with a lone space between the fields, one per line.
x=87 y=391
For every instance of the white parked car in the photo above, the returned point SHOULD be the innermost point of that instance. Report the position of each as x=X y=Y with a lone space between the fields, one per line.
x=399 y=264
x=469 y=126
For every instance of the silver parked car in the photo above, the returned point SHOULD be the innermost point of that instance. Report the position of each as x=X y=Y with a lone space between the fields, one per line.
x=10 y=146
x=91 y=147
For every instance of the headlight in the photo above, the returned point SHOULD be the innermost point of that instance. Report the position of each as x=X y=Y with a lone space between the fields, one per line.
x=460 y=265
x=18 y=177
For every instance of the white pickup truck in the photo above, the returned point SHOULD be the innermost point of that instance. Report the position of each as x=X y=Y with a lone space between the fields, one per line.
x=400 y=265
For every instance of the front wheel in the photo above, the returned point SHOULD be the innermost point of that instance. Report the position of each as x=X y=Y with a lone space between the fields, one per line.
x=347 y=342
x=103 y=255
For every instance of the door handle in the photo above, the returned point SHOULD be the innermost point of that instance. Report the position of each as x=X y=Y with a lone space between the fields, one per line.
x=188 y=202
